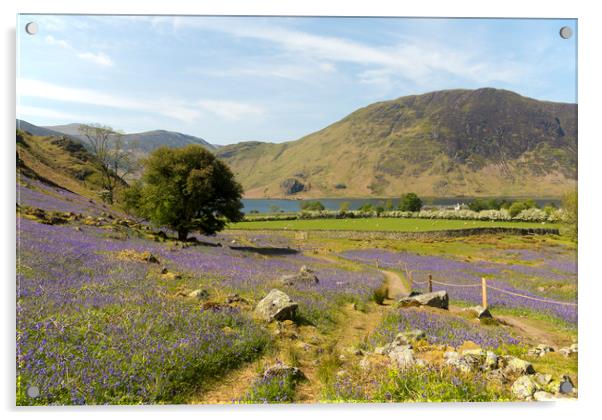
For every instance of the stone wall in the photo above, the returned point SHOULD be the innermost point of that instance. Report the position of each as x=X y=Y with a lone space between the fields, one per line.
x=451 y=233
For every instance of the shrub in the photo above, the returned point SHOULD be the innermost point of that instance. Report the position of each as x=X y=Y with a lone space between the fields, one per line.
x=312 y=206
x=410 y=202
x=379 y=295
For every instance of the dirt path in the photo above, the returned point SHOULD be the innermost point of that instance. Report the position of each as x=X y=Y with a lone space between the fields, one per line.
x=232 y=387
x=535 y=332
x=397 y=287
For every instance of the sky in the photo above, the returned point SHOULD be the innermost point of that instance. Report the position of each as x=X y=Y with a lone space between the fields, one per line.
x=232 y=79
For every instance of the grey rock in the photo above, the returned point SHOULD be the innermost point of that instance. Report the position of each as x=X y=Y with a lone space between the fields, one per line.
x=478 y=312
x=200 y=294
x=516 y=366
x=304 y=276
x=542 y=379
x=403 y=356
x=544 y=396
x=566 y=385
x=524 y=387
x=438 y=299
x=540 y=350
x=281 y=369
x=277 y=305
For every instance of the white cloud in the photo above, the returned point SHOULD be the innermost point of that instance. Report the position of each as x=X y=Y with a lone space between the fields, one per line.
x=414 y=59
x=24 y=111
x=181 y=110
x=230 y=110
x=50 y=40
x=98 y=58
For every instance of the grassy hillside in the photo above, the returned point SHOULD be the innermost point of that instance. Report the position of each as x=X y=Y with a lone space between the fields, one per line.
x=483 y=142
x=58 y=162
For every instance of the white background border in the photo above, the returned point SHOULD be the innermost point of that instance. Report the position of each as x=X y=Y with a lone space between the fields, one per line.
x=590 y=177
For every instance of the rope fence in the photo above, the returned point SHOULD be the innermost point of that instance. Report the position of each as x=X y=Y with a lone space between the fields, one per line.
x=483 y=284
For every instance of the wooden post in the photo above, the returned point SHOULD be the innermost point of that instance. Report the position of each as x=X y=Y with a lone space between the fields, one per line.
x=430 y=283
x=377 y=263
x=484 y=291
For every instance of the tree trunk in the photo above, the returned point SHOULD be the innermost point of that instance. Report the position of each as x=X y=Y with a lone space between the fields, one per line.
x=182 y=234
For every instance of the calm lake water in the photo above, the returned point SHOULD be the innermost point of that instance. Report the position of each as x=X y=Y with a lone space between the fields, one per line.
x=265 y=205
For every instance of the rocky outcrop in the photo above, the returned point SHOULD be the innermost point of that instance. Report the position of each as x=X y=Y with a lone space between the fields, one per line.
x=277 y=305
x=438 y=299
x=292 y=186
x=280 y=369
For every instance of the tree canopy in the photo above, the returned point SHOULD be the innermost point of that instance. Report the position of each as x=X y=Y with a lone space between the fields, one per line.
x=187 y=189
x=410 y=202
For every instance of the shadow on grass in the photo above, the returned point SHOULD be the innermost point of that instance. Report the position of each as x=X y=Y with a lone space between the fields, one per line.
x=265 y=250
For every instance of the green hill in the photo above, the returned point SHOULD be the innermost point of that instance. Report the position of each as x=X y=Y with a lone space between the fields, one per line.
x=483 y=142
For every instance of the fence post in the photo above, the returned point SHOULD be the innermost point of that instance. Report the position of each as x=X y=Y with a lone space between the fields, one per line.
x=430 y=283
x=484 y=291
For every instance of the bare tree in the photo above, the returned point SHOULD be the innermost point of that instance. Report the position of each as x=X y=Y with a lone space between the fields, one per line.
x=107 y=146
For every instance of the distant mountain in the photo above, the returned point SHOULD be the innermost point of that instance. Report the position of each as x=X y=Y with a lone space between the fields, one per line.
x=141 y=142
x=36 y=130
x=484 y=142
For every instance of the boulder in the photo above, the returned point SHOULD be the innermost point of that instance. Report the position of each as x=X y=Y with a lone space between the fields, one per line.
x=403 y=356
x=282 y=370
x=304 y=276
x=276 y=306
x=438 y=299
x=566 y=385
x=524 y=387
x=200 y=294
x=567 y=351
x=516 y=366
x=478 y=312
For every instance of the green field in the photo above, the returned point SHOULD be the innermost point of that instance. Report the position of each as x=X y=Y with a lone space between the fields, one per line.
x=381 y=224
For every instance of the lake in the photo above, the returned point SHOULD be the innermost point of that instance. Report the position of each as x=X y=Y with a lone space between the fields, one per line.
x=262 y=205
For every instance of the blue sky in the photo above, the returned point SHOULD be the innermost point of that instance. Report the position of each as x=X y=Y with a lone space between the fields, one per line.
x=271 y=79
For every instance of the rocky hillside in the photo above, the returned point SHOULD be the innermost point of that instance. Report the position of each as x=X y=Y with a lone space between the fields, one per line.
x=483 y=142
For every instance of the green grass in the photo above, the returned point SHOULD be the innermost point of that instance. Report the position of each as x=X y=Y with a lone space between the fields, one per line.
x=381 y=224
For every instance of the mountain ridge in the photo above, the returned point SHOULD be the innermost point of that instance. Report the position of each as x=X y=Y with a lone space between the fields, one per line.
x=459 y=142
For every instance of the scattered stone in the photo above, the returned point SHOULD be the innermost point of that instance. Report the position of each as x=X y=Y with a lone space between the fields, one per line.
x=200 y=294
x=438 y=299
x=540 y=350
x=280 y=369
x=566 y=385
x=567 y=351
x=543 y=396
x=276 y=306
x=524 y=387
x=453 y=358
x=409 y=337
x=491 y=361
x=384 y=350
x=478 y=311
x=403 y=356
x=516 y=366
x=542 y=379
x=304 y=276
x=132 y=254
x=234 y=298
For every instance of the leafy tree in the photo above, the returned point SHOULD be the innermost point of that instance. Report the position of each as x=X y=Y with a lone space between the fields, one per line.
x=367 y=207
x=187 y=189
x=410 y=202
x=115 y=162
x=344 y=206
x=517 y=207
x=570 y=204
x=312 y=206
x=477 y=205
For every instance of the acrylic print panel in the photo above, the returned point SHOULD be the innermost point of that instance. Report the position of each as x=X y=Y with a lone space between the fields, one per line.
x=295 y=210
